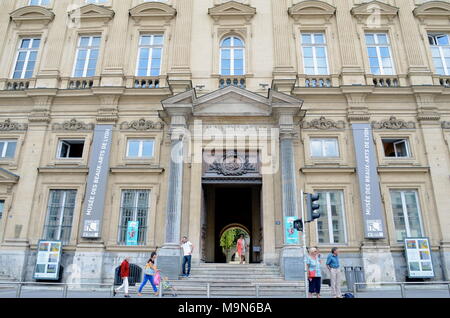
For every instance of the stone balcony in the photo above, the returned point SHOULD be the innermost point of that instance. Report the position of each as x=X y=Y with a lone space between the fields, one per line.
x=386 y=80
x=232 y=80
x=145 y=82
x=17 y=84
x=79 y=82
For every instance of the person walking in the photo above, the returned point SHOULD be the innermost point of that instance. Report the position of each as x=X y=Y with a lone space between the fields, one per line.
x=241 y=247
x=124 y=274
x=188 y=248
x=314 y=273
x=150 y=271
x=335 y=272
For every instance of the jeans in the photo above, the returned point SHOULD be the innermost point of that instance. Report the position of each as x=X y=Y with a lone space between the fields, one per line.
x=187 y=259
x=146 y=279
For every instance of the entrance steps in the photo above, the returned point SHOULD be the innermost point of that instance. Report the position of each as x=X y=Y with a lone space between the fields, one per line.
x=239 y=280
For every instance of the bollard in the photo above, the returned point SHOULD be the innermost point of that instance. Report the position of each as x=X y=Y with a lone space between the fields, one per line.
x=19 y=290
x=160 y=289
x=402 y=290
x=65 y=291
x=208 y=290
x=257 y=290
x=448 y=285
x=354 y=290
x=111 y=292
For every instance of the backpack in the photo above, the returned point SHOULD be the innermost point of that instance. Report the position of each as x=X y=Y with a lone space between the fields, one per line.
x=348 y=295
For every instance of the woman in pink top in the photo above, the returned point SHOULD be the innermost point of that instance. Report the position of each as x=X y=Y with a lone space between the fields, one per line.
x=241 y=248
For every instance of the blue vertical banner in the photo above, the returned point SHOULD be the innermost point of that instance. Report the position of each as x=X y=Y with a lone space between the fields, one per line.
x=97 y=182
x=369 y=185
x=132 y=233
x=291 y=234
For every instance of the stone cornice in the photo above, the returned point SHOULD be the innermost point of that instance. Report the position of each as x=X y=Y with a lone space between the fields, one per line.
x=323 y=124
x=73 y=125
x=32 y=14
x=381 y=9
x=140 y=170
x=393 y=123
x=142 y=125
x=330 y=169
x=307 y=9
x=92 y=11
x=432 y=9
x=406 y=169
x=8 y=125
x=232 y=9
x=152 y=10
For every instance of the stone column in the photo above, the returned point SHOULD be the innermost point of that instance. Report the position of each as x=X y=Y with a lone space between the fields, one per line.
x=291 y=255
x=169 y=256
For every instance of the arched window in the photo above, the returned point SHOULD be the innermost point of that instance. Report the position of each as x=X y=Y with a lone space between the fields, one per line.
x=232 y=61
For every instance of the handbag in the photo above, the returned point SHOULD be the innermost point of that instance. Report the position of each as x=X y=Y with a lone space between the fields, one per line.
x=311 y=274
x=157 y=279
x=148 y=270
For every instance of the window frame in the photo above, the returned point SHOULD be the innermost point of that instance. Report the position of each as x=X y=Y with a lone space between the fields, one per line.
x=441 y=53
x=330 y=219
x=314 y=47
x=59 y=148
x=323 y=139
x=141 y=147
x=135 y=214
x=28 y=50
x=399 y=140
x=150 y=47
x=232 y=50
x=377 y=46
x=40 y=3
x=89 y=48
x=4 y=150
x=61 y=210
x=405 y=212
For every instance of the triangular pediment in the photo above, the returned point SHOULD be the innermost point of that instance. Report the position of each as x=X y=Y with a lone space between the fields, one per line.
x=93 y=11
x=232 y=9
x=375 y=7
x=153 y=10
x=7 y=176
x=312 y=8
x=231 y=101
x=32 y=14
x=433 y=9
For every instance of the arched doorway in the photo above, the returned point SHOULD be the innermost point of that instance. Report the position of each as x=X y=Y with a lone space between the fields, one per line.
x=228 y=239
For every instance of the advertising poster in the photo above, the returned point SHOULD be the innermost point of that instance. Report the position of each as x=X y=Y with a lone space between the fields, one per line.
x=291 y=234
x=418 y=258
x=132 y=233
x=47 y=260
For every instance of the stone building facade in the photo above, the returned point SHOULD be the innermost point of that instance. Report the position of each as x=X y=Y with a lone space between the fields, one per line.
x=271 y=92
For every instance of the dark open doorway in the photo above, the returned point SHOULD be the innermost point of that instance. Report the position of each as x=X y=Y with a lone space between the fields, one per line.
x=227 y=206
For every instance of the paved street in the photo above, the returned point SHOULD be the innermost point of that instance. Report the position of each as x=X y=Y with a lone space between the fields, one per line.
x=33 y=292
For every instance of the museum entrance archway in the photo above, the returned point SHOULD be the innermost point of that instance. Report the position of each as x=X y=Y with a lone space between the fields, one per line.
x=232 y=207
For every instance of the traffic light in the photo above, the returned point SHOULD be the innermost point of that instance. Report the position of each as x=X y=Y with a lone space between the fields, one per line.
x=312 y=206
x=298 y=225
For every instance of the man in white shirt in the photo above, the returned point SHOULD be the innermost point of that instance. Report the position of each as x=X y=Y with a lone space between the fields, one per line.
x=188 y=248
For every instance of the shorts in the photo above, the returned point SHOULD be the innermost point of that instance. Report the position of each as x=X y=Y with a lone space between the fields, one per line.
x=314 y=285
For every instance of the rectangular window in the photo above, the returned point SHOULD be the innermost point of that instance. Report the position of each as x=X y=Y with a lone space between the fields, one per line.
x=7 y=148
x=150 y=55
x=379 y=53
x=2 y=206
x=324 y=147
x=134 y=207
x=26 y=58
x=440 y=51
x=39 y=2
x=314 y=50
x=396 y=148
x=331 y=224
x=406 y=211
x=87 y=56
x=61 y=205
x=68 y=148
x=140 y=148
x=96 y=1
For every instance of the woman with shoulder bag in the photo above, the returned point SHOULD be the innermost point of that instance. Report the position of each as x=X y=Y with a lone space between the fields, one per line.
x=314 y=275
x=150 y=271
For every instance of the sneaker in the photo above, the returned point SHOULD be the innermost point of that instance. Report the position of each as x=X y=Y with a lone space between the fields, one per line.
x=127 y=296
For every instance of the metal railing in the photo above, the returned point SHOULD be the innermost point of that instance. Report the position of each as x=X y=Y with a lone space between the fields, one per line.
x=401 y=284
x=64 y=286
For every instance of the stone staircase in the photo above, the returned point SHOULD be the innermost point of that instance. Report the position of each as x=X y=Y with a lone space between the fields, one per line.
x=235 y=280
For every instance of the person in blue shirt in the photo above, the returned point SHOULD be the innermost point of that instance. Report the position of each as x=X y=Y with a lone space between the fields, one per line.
x=335 y=272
